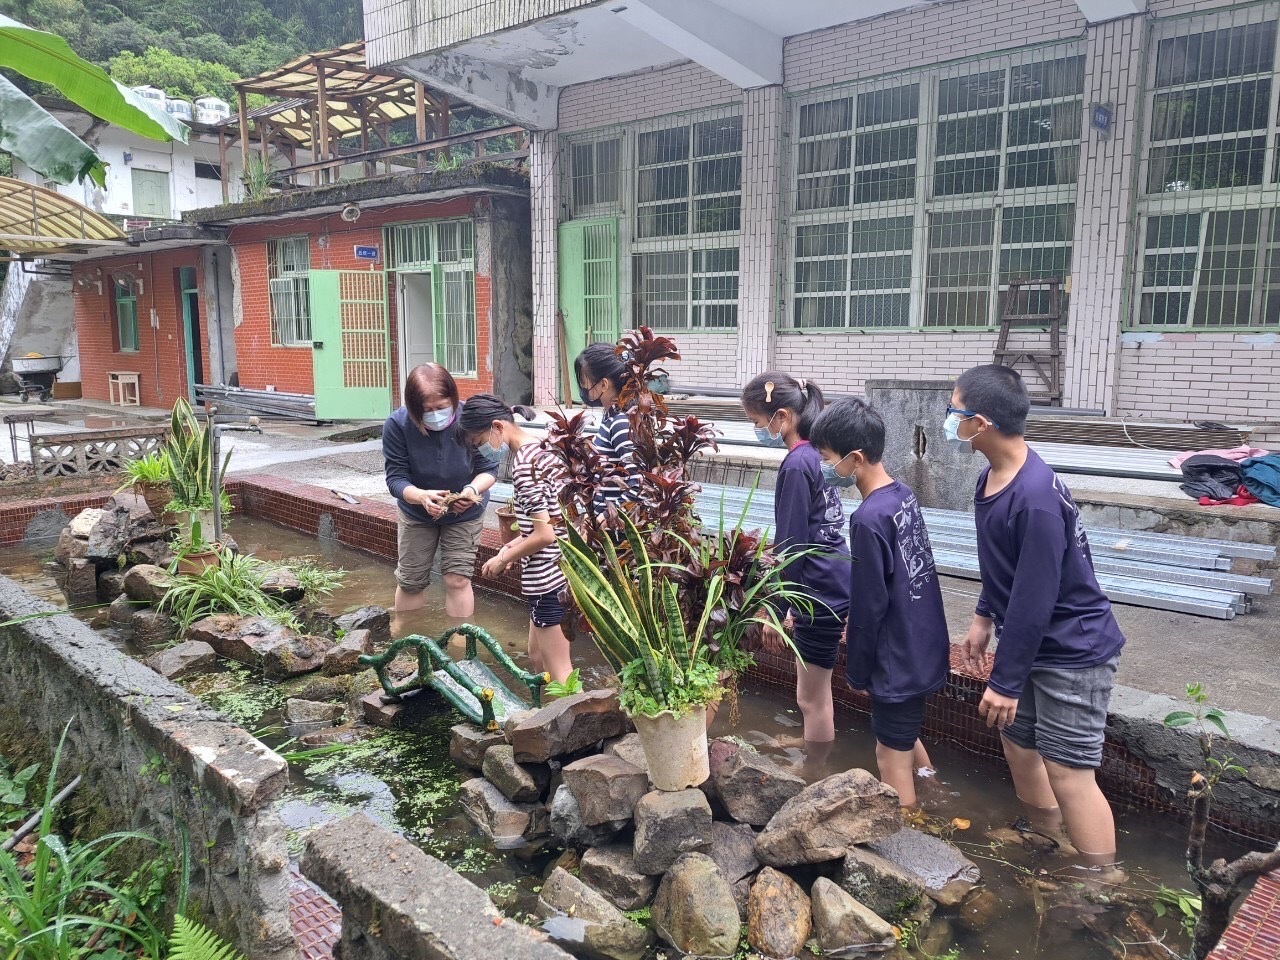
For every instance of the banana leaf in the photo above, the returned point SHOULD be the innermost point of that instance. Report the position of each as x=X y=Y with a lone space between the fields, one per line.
x=34 y=137
x=46 y=58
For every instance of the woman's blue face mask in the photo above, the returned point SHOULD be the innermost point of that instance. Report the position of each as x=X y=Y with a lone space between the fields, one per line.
x=437 y=420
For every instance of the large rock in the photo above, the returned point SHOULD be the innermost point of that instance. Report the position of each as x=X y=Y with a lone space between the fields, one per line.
x=733 y=848
x=315 y=686
x=152 y=629
x=120 y=611
x=753 y=788
x=109 y=537
x=519 y=783
x=70 y=547
x=879 y=884
x=841 y=923
x=946 y=874
x=468 y=743
x=243 y=639
x=505 y=823
x=611 y=870
x=345 y=657
x=282 y=584
x=568 y=725
x=567 y=825
x=147 y=583
x=110 y=585
x=607 y=788
x=630 y=749
x=311 y=711
x=778 y=915
x=183 y=660
x=158 y=553
x=82 y=523
x=980 y=909
x=290 y=654
x=374 y=619
x=593 y=925
x=669 y=824
x=79 y=581
x=826 y=818
x=694 y=910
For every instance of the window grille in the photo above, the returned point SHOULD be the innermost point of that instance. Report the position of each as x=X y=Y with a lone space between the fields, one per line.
x=673 y=186
x=288 y=263
x=916 y=199
x=446 y=250
x=126 y=317
x=1210 y=180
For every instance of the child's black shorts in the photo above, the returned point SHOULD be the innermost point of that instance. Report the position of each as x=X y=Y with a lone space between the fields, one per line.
x=897 y=725
x=818 y=640
x=545 y=609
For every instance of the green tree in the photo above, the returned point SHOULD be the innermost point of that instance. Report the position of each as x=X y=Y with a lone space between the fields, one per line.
x=176 y=75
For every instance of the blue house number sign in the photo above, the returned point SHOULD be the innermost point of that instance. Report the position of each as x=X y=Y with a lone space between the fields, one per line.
x=366 y=253
x=1101 y=119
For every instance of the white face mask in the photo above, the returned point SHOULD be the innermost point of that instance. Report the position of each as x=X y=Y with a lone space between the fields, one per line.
x=437 y=420
x=951 y=428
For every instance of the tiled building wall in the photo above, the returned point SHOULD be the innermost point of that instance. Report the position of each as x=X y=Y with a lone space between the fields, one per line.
x=332 y=242
x=1145 y=375
x=160 y=360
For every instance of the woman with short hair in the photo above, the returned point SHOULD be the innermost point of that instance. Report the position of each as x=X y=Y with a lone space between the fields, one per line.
x=441 y=489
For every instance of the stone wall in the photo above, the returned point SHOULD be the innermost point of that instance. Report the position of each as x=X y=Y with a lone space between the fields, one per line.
x=399 y=902
x=154 y=759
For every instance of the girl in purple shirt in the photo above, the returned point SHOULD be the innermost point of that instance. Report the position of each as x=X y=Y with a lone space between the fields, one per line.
x=808 y=515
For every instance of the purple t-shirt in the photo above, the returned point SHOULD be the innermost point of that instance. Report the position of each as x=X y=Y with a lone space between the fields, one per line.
x=809 y=514
x=1038 y=583
x=898 y=643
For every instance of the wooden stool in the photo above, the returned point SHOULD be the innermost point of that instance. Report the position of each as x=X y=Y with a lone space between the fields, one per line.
x=123 y=389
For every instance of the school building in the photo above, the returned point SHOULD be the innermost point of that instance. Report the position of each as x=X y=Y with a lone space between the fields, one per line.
x=850 y=200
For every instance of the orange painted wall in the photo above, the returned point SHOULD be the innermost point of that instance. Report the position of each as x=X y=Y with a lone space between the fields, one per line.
x=332 y=243
x=160 y=360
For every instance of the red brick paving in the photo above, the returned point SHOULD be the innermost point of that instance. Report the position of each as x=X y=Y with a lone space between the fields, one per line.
x=1254 y=933
x=317 y=918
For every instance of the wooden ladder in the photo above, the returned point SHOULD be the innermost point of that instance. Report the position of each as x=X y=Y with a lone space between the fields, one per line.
x=1047 y=364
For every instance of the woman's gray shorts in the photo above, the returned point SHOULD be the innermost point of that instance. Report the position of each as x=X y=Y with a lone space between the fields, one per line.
x=1063 y=714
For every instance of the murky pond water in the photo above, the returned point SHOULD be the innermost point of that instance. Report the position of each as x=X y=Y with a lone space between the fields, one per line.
x=407 y=781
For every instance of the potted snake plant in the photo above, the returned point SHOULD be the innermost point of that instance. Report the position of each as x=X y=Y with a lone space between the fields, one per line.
x=188 y=454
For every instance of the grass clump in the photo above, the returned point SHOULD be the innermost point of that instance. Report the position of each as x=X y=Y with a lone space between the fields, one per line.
x=234 y=585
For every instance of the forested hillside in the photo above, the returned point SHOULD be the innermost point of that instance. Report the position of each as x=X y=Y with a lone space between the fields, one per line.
x=191 y=47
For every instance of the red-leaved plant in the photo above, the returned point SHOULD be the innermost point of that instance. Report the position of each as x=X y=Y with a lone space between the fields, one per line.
x=658 y=497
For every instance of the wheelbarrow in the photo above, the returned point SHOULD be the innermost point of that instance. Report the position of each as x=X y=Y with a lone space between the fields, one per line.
x=36 y=376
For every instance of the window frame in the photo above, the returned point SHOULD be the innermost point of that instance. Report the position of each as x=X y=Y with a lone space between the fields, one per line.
x=299 y=294
x=442 y=272
x=124 y=293
x=1206 y=203
x=923 y=205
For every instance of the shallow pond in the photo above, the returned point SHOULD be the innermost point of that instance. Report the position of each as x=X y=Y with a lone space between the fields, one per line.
x=407 y=781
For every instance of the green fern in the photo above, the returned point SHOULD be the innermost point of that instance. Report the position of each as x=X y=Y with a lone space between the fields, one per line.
x=191 y=941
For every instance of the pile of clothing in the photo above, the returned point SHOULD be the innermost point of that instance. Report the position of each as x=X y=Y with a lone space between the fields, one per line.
x=1237 y=477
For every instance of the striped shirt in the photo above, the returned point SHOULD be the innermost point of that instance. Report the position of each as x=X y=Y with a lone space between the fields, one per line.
x=536 y=478
x=613 y=440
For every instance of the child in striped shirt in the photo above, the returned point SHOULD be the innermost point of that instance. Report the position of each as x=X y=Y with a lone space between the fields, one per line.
x=488 y=425
x=600 y=376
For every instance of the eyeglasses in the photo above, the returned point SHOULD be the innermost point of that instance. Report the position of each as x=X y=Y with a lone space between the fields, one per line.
x=961 y=412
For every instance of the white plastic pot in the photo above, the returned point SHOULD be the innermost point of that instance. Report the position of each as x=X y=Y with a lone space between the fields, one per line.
x=675 y=748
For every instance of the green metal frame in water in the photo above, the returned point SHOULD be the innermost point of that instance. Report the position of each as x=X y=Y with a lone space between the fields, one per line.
x=461 y=681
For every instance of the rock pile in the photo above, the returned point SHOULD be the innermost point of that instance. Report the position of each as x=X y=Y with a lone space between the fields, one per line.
x=827 y=865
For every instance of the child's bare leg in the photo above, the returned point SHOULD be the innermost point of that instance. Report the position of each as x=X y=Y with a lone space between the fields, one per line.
x=536 y=664
x=920 y=757
x=896 y=770
x=1085 y=811
x=813 y=694
x=553 y=651
x=1031 y=784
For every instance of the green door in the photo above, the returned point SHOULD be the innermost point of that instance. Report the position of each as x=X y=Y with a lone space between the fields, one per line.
x=350 y=350
x=588 y=261
x=151 y=194
x=191 y=331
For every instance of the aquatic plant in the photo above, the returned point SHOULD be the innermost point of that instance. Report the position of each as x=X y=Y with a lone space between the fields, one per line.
x=1219 y=883
x=232 y=585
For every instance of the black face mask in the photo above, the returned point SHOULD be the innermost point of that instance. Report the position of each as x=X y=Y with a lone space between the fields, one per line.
x=585 y=397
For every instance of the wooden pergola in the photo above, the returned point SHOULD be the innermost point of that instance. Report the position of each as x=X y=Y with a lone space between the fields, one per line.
x=323 y=99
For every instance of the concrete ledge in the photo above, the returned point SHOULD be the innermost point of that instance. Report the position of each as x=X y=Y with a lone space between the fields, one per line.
x=155 y=759
x=1137 y=720
x=399 y=902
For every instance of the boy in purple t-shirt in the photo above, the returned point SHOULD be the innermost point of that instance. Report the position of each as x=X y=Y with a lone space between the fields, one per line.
x=897 y=644
x=1059 y=642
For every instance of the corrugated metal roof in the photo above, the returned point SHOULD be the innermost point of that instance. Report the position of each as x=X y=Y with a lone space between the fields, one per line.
x=34 y=220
